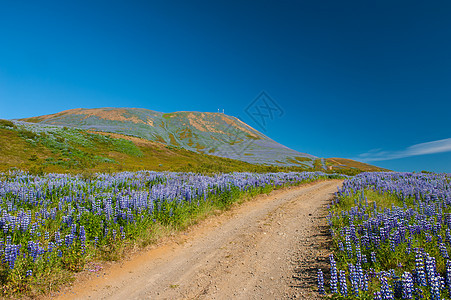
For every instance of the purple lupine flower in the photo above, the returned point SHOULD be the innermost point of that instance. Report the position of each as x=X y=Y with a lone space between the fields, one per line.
x=448 y=232
x=333 y=275
x=373 y=257
x=348 y=245
x=122 y=232
x=448 y=275
x=443 y=250
x=386 y=290
x=392 y=242
x=365 y=282
x=82 y=238
x=430 y=269
x=58 y=238
x=435 y=288
x=11 y=253
x=69 y=239
x=358 y=253
x=50 y=247
x=419 y=270
x=364 y=259
x=409 y=247
x=354 y=278
x=33 y=249
x=340 y=246
x=407 y=285
x=359 y=274
x=343 y=284
x=377 y=295
x=321 y=282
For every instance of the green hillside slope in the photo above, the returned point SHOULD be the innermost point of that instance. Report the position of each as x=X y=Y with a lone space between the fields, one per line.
x=44 y=148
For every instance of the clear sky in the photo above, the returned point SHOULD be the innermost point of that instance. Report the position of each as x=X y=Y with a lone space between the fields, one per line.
x=369 y=80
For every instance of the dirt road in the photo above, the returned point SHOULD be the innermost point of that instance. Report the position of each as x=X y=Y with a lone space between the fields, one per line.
x=267 y=248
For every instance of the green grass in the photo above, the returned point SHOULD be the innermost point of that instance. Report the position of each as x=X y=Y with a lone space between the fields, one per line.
x=302 y=159
x=7 y=123
x=168 y=115
x=59 y=150
x=126 y=147
x=299 y=160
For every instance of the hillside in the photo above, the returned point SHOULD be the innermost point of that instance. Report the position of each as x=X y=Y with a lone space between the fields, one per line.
x=52 y=148
x=344 y=163
x=202 y=132
x=48 y=148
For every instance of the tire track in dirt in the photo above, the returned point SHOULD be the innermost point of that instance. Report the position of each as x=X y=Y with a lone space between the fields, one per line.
x=267 y=248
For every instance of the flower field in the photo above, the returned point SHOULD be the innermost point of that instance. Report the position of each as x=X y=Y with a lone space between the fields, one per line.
x=52 y=225
x=392 y=236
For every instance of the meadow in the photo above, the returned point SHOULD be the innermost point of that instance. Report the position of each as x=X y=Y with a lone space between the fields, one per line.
x=391 y=237
x=52 y=225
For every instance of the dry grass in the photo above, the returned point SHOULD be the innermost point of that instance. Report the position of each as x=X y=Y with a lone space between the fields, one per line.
x=349 y=163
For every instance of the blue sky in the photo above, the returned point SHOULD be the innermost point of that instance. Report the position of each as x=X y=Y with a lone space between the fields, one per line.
x=368 y=80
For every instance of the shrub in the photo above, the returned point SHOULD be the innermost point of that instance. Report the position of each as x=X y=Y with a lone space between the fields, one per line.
x=7 y=123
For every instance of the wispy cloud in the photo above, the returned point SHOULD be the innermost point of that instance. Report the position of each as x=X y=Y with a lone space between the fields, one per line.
x=439 y=146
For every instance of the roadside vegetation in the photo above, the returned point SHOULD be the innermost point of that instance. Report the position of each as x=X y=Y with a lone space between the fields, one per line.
x=391 y=238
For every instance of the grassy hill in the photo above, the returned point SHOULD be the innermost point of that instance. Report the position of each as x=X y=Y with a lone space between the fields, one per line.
x=50 y=148
x=336 y=164
x=202 y=132
x=46 y=148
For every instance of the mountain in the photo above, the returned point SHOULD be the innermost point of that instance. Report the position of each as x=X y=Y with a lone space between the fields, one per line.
x=170 y=141
x=55 y=149
x=203 y=132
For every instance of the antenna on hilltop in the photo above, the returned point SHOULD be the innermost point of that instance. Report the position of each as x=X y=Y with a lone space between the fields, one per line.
x=218 y=110
x=223 y=110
